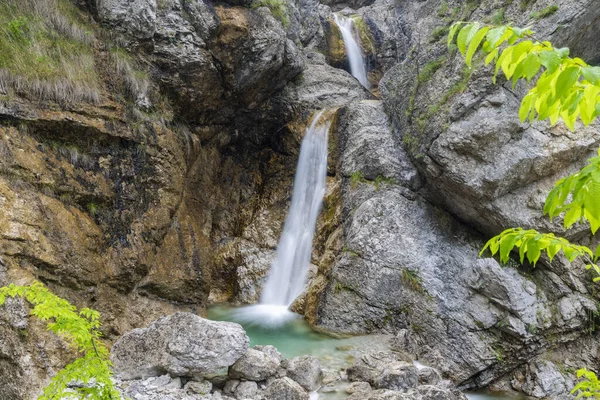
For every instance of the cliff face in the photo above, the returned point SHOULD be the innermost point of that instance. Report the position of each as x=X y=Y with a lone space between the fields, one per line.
x=148 y=169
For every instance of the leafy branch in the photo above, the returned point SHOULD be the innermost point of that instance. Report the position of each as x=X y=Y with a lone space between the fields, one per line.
x=567 y=87
x=590 y=387
x=88 y=377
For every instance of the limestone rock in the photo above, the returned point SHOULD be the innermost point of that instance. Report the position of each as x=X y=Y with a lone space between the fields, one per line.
x=246 y=390
x=254 y=365
x=180 y=344
x=358 y=387
x=306 y=370
x=397 y=376
x=285 y=389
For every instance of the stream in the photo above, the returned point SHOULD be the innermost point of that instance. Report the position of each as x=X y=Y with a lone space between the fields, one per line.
x=296 y=338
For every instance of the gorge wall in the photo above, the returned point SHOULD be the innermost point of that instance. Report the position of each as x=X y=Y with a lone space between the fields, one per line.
x=162 y=183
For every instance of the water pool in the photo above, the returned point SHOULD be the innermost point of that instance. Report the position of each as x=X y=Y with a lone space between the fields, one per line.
x=296 y=338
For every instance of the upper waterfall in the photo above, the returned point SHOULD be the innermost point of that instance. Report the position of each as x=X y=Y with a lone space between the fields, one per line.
x=355 y=55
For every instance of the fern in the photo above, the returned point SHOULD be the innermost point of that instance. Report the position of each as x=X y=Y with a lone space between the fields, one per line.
x=88 y=377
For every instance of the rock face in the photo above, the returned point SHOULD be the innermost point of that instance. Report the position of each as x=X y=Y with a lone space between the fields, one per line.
x=181 y=344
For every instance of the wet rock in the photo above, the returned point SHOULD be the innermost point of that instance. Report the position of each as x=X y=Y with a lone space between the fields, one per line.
x=306 y=370
x=180 y=344
x=285 y=389
x=254 y=365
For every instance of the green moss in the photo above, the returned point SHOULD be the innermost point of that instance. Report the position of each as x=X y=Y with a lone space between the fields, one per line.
x=364 y=33
x=46 y=52
x=278 y=9
x=381 y=180
x=356 y=178
x=546 y=12
x=439 y=33
x=526 y=3
x=498 y=17
x=429 y=69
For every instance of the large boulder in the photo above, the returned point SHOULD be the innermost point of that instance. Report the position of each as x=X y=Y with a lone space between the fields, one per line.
x=181 y=344
x=254 y=365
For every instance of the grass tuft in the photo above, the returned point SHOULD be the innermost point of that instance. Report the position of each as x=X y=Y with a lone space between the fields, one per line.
x=545 y=13
x=46 y=52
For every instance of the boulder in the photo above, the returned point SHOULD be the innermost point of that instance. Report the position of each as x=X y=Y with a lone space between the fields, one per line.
x=306 y=370
x=196 y=387
x=285 y=389
x=397 y=376
x=269 y=350
x=254 y=365
x=246 y=390
x=181 y=344
x=428 y=376
x=358 y=387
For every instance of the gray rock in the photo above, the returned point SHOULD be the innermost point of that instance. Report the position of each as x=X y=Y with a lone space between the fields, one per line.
x=180 y=344
x=544 y=380
x=195 y=387
x=306 y=370
x=285 y=389
x=397 y=376
x=137 y=17
x=246 y=390
x=270 y=350
x=254 y=365
x=230 y=386
x=428 y=376
x=358 y=387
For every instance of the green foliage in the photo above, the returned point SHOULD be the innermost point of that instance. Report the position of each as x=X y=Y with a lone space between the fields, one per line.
x=92 y=209
x=498 y=17
x=567 y=88
x=589 y=386
x=531 y=243
x=45 y=52
x=356 y=178
x=91 y=373
x=546 y=12
x=526 y=3
x=278 y=9
x=578 y=196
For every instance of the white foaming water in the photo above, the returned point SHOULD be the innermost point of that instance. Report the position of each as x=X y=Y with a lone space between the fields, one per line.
x=288 y=272
x=355 y=55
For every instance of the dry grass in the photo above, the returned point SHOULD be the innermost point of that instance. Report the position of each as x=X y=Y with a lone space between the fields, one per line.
x=126 y=68
x=46 y=51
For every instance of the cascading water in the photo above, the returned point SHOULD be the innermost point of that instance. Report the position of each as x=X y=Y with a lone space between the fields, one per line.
x=287 y=275
x=353 y=50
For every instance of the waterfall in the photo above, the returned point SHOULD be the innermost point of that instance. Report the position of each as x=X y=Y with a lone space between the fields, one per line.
x=352 y=42
x=287 y=275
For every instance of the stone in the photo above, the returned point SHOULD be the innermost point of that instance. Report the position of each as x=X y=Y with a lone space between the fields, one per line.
x=137 y=18
x=181 y=344
x=254 y=365
x=358 y=387
x=269 y=350
x=230 y=386
x=428 y=376
x=285 y=389
x=398 y=376
x=306 y=370
x=246 y=390
x=195 y=387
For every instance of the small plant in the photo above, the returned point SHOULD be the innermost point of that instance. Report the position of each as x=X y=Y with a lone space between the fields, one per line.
x=380 y=180
x=88 y=377
x=412 y=280
x=92 y=209
x=498 y=17
x=546 y=12
x=589 y=386
x=356 y=178
x=526 y=3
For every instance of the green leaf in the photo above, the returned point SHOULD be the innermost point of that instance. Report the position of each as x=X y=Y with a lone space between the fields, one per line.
x=550 y=60
x=474 y=45
x=526 y=105
x=591 y=74
x=566 y=80
x=494 y=36
x=465 y=36
x=452 y=33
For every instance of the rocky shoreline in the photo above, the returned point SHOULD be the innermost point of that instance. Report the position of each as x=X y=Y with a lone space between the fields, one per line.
x=186 y=357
